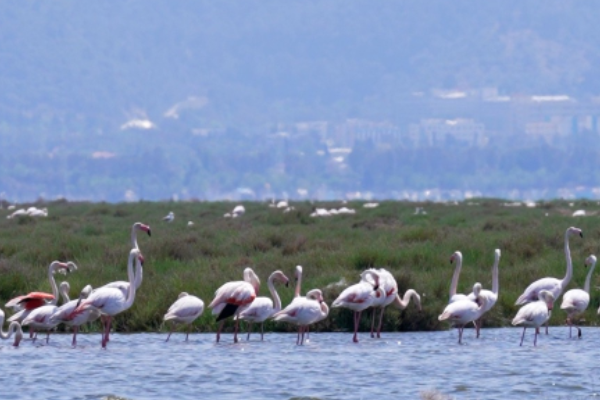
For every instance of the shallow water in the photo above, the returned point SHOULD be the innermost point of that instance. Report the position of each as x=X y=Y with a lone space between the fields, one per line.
x=399 y=366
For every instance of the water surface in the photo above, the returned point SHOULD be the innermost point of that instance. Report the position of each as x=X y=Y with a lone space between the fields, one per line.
x=399 y=366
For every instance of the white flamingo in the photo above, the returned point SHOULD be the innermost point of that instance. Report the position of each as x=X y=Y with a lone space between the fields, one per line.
x=553 y=285
x=359 y=297
x=24 y=304
x=458 y=258
x=40 y=318
x=575 y=301
x=389 y=287
x=263 y=307
x=491 y=296
x=534 y=314
x=64 y=314
x=304 y=311
x=124 y=285
x=13 y=329
x=461 y=312
x=232 y=297
x=111 y=301
x=185 y=311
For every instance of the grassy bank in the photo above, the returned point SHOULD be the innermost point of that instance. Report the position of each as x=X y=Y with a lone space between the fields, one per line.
x=200 y=258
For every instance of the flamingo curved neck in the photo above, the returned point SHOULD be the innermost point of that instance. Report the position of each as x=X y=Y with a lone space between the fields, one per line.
x=12 y=328
x=134 y=243
x=588 y=278
x=403 y=302
x=274 y=294
x=454 y=283
x=298 y=283
x=53 y=284
x=569 y=273
x=131 y=291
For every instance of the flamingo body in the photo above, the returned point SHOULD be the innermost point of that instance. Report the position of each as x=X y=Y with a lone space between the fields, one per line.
x=185 y=311
x=534 y=314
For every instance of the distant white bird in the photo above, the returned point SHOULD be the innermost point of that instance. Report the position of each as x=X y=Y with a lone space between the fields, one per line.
x=185 y=310
x=170 y=217
x=190 y=223
x=370 y=205
x=535 y=314
x=575 y=301
x=579 y=213
x=238 y=211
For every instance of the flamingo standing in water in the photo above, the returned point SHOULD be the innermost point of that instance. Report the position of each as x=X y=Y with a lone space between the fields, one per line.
x=491 y=296
x=232 y=298
x=25 y=304
x=110 y=301
x=185 y=310
x=13 y=329
x=263 y=307
x=360 y=296
x=553 y=285
x=535 y=314
x=461 y=312
x=575 y=301
x=390 y=288
x=40 y=318
x=304 y=311
x=64 y=314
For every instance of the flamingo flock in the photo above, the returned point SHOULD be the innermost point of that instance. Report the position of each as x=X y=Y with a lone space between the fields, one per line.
x=238 y=300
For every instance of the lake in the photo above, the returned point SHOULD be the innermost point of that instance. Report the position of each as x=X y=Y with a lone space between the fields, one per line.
x=401 y=365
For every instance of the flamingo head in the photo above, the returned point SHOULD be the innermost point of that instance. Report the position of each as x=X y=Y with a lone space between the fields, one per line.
x=298 y=272
x=64 y=287
x=477 y=289
x=497 y=254
x=280 y=277
x=574 y=231
x=547 y=297
x=251 y=277
x=315 y=294
x=182 y=294
x=591 y=260
x=141 y=258
x=374 y=275
x=85 y=292
x=143 y=227
x=456 y=256
x=62 y=267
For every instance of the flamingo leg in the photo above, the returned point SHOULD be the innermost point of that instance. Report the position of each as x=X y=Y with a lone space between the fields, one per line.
x=298 y=339
x=380 y=323
x=460 y=332
x=262 y=331
x=169 y=335
x=535 y=337
x=478 y=324
x=47 y=336
x=235 y=332
x=356 y=323
x=249 y=329
x=373 y=322
x=302 y=339
x=74 y=342
x=523 y=336
x=187 y=334
x=219 y=330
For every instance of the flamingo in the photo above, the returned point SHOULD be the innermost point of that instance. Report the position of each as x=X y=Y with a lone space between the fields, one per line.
x=185 y=310
x=64 y=314
x=535 y=314
x=575 y=301
x=13 y=329
x=263 y=307
x=553 y=285
x=461 y=312
x=491 y=296
x=124 y=285
x=304 y=311
x=40 y=318
x=390 y=288
x=34 y=300
x=360 y=296
x=456 y=256
x=232 y=297
x=110 y=301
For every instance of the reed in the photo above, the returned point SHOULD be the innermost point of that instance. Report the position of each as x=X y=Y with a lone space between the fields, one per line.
x=199 y=258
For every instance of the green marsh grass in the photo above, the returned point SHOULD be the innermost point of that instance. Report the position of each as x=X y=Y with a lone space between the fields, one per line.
x=200 y=258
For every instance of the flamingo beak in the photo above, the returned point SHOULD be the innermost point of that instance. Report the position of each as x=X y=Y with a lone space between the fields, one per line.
x=581 y=234
x=287 y=283
x=149 y=232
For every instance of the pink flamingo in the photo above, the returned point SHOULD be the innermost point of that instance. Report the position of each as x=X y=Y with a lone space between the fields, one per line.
x=456 y=256
x=304 y=311
x=535 y=314
x=263 y=307
x=64 y=314
x=359 y=297
x=25 y=304
x=461 y=312
x=575 y=301
x=40 y=318
x=233 y=297
x=553 y=285
x=13 y=329
x=185 y=310
x=110 y=301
